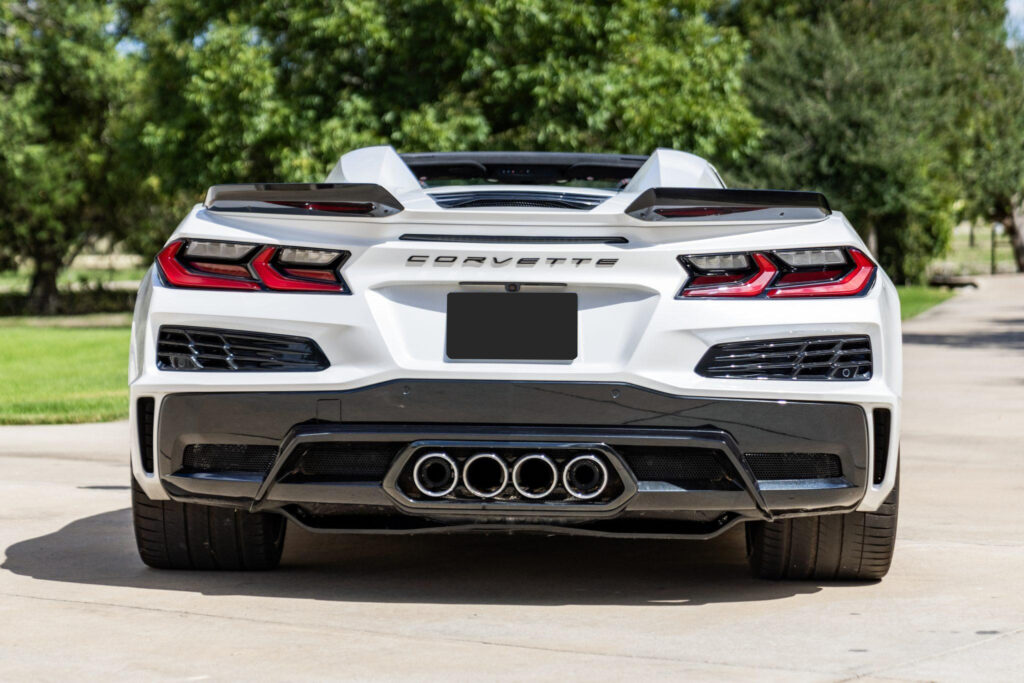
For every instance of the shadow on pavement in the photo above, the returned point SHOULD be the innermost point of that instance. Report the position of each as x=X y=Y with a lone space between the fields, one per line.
x=1012 y=338
x=464 y=569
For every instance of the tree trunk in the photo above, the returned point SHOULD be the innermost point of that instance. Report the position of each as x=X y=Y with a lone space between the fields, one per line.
x=872 y=240
x=1014 y=228
x=42 y=294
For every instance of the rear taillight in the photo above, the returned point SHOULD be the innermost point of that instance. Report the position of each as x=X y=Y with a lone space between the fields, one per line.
x=827 y=279
x=232 y=265
x=789 y=273
x=310 y=276
x=729 y=275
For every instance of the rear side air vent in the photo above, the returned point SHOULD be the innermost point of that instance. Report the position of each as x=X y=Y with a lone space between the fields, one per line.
x=144 y=421
x=814 y=358
x=347 y=462
x=882 y=418
x=546 y=200
x=200 y=348
x=690 y=468
x=773 y=466
x=228 y=457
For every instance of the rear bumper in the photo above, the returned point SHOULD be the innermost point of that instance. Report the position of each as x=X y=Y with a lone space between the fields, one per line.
x=623 y=419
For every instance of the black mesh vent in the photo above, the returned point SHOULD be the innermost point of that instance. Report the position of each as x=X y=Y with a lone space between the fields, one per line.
x=228 y=457
x=198 y=348
x=769 y=466
x=693 y=468
x=144 y=420
x=547 y=200
x=820 y=358
x=343 y=462
x=883 y=422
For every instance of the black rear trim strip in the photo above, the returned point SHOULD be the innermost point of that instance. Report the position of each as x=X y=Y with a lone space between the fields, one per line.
x=512 y=239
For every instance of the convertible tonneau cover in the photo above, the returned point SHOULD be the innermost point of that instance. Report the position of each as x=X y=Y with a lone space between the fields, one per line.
x=524 y=167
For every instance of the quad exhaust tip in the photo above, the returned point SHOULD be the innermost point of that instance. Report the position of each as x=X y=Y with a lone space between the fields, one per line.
x=534 y=476
x=435 y=475
x=585 y=477
x=485 y=475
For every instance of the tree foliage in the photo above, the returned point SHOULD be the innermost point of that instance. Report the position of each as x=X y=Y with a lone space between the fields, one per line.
x=258 y=90
x=895 y=110
x=60 y=84
x=116 y=114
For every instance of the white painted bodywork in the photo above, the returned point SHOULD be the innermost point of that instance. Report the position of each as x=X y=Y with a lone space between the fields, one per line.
x=633 y=328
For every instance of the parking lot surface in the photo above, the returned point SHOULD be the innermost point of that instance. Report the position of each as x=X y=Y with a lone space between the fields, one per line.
x=75 y=601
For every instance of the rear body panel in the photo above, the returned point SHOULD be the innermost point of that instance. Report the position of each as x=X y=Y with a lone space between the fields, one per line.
x=639 y=346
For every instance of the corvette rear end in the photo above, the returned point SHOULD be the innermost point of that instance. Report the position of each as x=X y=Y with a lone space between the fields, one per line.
x=589 y=344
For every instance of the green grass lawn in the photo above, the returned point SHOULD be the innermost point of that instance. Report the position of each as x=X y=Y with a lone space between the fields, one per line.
x=51 y=373
x=916 y=299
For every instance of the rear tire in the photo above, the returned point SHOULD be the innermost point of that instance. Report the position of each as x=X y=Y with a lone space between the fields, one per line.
x=856 y=546
x=173 y=535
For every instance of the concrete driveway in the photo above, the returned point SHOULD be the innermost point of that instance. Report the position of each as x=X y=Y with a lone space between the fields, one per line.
x=76 y=602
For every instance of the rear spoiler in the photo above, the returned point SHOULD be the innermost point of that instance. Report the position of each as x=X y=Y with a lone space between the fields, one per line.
x=318 y=199
x=698 y=204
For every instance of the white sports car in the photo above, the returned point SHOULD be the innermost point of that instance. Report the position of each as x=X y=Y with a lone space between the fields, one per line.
x=588 y=344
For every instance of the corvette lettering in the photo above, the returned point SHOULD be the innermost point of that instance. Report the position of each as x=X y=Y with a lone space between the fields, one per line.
x=500 y=261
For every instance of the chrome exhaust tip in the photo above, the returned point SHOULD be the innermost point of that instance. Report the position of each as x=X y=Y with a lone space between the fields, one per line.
x=435 y=475
x=485 y=475
x=585 y=477
x=534 y=476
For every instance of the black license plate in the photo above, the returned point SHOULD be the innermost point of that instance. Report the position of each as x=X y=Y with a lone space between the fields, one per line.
x=512 y=326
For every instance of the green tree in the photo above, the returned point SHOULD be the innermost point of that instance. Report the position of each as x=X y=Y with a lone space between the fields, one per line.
x=853 y=106
x=278 y=90
x=908 y=115
x=990 y=137
x=62 y=184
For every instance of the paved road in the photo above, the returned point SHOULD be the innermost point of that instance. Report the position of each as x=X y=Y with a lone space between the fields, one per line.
x=75 y=601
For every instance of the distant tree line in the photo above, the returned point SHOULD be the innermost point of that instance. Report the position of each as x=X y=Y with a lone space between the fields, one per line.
x=116 y=115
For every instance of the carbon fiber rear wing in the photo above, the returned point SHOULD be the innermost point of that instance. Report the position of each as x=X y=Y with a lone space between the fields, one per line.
x=323 y=199
x=697 y=204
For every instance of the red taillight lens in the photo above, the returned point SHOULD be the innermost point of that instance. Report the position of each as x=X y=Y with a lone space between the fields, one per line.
x=820 y=272
x=231 y=265
x=202 y=274
x=751 y=281
x=279 y=277
x=853 y=281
